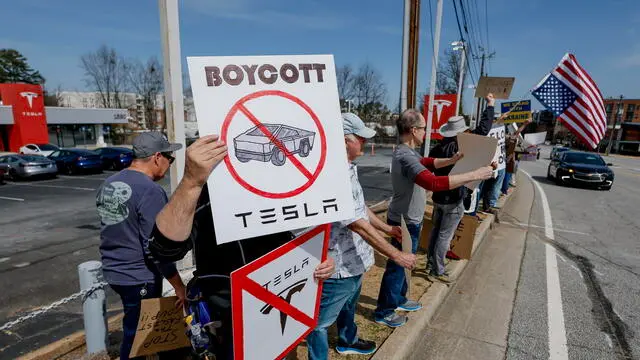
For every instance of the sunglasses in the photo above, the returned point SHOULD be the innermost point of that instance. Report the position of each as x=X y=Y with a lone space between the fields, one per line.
x=168 y=157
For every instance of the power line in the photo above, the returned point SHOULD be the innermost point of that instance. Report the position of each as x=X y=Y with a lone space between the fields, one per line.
x=455 y=8
x=470 y=40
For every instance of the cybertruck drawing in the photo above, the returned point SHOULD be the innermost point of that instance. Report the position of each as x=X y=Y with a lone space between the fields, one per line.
x=253 y=144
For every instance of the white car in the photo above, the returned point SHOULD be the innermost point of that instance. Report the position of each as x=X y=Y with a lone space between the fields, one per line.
x=38 y=149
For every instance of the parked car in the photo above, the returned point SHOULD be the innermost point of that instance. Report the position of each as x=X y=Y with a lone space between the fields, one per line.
x=253 y=144
x=2 y=176
x=557 y=150
x=115 y=158
x=20 y=166
x=71 y=161
x=580 y=168
x=38 y=149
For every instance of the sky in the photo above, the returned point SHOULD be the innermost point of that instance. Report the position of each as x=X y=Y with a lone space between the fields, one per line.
x=529 y=37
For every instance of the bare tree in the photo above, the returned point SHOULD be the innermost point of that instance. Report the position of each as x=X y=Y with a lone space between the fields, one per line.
x=449 y=73
x=147 y=81
x=368 y=86
x=345 y=77
x=106 y=73
x=53 y=98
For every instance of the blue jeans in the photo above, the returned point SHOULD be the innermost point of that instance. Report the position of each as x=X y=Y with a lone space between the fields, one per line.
x=338 y=302
x=131 y=302
x=393 y=289
x=446 y=218
x=506 y=182
x=497 y=185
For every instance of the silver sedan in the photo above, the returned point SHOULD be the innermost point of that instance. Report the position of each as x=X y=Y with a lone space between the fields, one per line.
x=24 y=166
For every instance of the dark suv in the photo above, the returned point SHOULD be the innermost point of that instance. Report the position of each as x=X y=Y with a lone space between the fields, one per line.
x=580 y=168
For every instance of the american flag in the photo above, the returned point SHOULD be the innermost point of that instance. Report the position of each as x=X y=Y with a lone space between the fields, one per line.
x=570 y=93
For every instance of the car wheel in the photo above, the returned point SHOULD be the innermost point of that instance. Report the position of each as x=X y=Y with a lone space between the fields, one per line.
x=549 y=177
x=606 y=188
x=13 y=175
x=68 y=169
x=278 y=158
x=305 y=148
x=559 y=180
x=242 y=159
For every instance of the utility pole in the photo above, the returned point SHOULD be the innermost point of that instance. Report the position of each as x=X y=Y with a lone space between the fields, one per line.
x=615 y=122
x=460 y=45
x=434 y=69
x=410 y=54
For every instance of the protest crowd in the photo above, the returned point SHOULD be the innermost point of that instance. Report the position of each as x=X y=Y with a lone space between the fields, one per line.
x=143 y=237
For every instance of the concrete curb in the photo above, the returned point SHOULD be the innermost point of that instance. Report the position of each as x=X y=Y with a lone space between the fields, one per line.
x=403 y=340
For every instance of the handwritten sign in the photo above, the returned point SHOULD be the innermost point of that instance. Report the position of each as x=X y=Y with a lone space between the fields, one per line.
x=160 y=327
x=498 y=132
x=500 y=87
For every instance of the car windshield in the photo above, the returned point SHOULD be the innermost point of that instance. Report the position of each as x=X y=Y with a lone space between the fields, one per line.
x=578 y=158
x=47 y=147
x=257 y=132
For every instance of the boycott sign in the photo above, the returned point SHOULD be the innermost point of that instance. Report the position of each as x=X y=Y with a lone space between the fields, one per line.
x=160 y=327
x=499 y=132
x=276 y=300
x=444 y=107
x=520 y=110
x=280 y=118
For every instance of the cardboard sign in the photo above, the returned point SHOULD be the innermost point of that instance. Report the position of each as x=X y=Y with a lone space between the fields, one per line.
x=407 y=246
x=160 y=327
x=499 y=133
x=462 y=242
x=287 y=163
x=535 y=138
x=500 y=87
x=444 y=107
x=478 y=151
x=520 y=111
x=276 y=300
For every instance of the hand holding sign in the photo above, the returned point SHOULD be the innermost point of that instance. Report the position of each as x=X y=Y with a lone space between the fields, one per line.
x=202 y=156
x=491 y=100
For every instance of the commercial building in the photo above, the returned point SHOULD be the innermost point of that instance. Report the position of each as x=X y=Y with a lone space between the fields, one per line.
x=24 y=119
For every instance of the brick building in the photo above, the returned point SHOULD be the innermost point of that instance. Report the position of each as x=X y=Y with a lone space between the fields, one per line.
x=625 y=114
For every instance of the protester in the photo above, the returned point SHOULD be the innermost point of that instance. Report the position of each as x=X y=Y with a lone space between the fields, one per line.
x=410 y=176
x=511 y=143
x=448 y=205
x=351 y=245
x=186 y=222
x=127 y=204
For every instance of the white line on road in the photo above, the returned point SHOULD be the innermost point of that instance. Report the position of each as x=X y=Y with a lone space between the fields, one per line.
x=608 y=338
x=544 y=227
x=21 y=265
x=4 y=259
x=555 y=315
x=11 y=198
x=56 y=186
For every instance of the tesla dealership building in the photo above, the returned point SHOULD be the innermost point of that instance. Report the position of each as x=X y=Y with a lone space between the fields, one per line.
x=24 y=119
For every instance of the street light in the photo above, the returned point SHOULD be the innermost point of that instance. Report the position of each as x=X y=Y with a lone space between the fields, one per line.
x=349 y=102
x=460 y=46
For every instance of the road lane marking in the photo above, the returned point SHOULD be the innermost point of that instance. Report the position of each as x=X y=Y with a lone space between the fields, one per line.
x=22 y=264
x=555 y=315
x=56 y=186
x=11 y=198
x=4 y=259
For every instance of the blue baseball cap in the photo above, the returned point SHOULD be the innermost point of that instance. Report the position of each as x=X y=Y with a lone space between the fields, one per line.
x=352 y=124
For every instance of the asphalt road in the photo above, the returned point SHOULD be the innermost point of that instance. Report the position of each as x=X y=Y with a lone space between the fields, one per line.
x=594 y=297
x=49 y=227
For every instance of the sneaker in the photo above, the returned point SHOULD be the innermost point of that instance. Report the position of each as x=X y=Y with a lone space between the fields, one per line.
x=443 y=278
x=392 y=320
x=410 y=305
x=361 y=347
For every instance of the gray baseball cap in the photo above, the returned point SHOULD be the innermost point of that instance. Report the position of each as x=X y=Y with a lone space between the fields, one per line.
x=149 y=143
x=352 y=124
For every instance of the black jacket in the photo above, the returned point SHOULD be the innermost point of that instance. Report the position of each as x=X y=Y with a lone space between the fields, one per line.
x=214 y=263
x=447 y=148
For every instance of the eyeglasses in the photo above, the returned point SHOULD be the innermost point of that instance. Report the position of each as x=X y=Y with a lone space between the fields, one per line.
x=420 y=127
x=168 y=157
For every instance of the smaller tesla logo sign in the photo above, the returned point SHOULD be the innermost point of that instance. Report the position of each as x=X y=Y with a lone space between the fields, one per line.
x=290 y=291
x=439 y=104
x=29 y=96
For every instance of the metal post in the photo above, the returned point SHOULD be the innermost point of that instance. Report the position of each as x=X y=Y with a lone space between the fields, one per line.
x=434 y=69
x=406 y=28
x=94 y=307
x=460 y=80
x=170 y=28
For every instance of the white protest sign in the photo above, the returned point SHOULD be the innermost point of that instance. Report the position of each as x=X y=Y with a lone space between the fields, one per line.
x=407 y=246
x=498 y=132
x=276 y=300
x=478 y=151
x=280 y=118
x=535 y=138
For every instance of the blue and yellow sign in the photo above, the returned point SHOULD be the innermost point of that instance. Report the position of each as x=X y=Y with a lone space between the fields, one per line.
x=520 y=111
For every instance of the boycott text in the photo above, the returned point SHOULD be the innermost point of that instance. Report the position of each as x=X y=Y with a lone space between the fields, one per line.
x=235 y=74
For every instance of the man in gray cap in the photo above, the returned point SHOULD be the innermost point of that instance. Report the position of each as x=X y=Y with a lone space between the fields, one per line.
x=127 y=204
x=351 y=245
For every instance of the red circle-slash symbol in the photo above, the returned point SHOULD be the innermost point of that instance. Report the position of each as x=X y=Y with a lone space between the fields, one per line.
x=239 y=106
